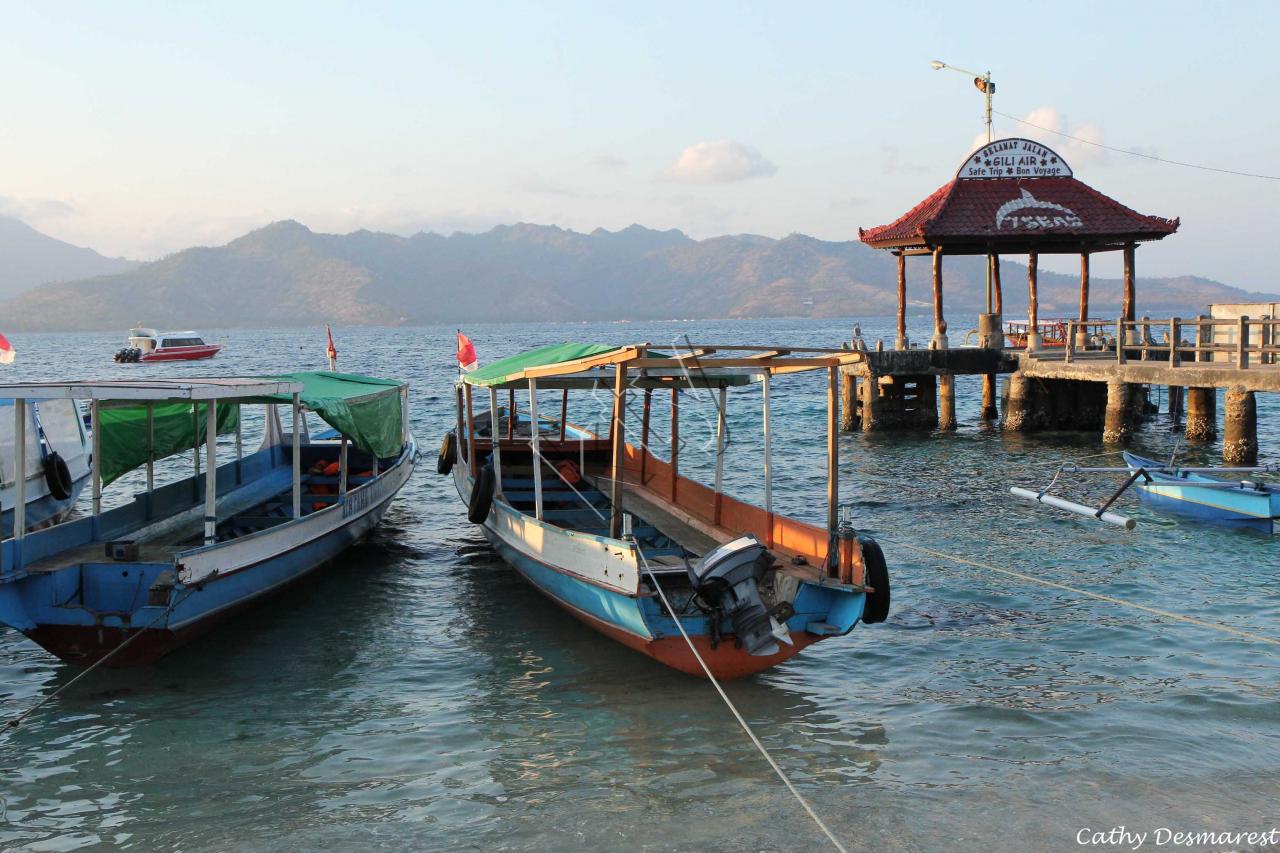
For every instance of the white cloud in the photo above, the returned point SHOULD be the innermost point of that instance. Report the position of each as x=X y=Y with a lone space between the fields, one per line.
x=721 y=162
x=1049 y=125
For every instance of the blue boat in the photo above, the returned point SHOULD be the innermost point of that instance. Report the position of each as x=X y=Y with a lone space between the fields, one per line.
x=56 y=463
x=129 y=584
x=1245 y=503
x=618 y=538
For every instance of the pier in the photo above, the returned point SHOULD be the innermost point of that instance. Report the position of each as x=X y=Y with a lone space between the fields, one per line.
x=1016 y=196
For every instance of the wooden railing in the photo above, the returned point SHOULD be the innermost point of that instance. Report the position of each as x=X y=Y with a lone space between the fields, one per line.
x=1256 y=341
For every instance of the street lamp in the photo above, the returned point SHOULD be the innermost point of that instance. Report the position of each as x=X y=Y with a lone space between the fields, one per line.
x=981 y=81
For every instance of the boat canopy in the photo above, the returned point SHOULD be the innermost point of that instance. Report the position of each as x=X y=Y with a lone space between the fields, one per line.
x=579 y=365
x=174 y=428
x=367 y=410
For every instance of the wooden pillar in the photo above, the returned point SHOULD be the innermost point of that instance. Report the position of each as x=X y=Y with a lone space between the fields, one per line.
x=998 y=308
x=833 y=448
x=1240 y=434
x=901 y=342
x=947 y=401
x=990 y=411
x=1033 y=301
x=675 y=441
x=1129 y=301
x=1118 y=420
x=768 y=452
x=619 y=444
x=848 y=405
x=939 y=323
x=1082 y=333
x=644 y=434
x=1202 y=414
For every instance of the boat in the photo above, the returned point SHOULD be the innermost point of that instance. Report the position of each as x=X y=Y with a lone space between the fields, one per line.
x=55 y=464
x=130 y=584
x=1053 y=333
x=680 y=571
x=1240 y=503
x=150 y=345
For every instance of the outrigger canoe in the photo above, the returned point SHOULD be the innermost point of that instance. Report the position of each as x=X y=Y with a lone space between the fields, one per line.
x=134 y=582
x=625 y=543
x=1241 y=503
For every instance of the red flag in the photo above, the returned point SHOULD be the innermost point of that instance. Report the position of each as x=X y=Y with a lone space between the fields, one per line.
x=466 y=353
x=7 y=352
x=332 y=351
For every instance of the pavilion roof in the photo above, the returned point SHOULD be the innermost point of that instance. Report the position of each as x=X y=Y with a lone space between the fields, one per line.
x=1026 y=199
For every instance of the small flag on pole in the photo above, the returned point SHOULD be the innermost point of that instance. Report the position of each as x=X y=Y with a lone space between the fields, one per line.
x=331 y=351
x=466 y=353
x=7 y=352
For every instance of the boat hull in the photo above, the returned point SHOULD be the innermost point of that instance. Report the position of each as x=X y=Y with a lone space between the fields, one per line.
x=1205 y=499
x=183 y=353
x=44 y=510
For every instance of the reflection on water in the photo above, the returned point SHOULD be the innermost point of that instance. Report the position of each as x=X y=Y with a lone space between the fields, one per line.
x=417 y=695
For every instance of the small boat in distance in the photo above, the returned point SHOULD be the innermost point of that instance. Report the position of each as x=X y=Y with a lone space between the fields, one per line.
x=55 y=465
x=1241 y=503
x=675 y=569
x=134 y=582
x=150 y=345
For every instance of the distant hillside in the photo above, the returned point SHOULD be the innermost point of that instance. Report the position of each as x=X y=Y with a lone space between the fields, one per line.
x=29 y=258
x=286 y=275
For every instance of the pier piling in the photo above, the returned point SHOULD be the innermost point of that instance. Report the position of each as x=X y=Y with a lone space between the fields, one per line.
x=1240 y=439
x=1202 y=414
x=1016 y=408
x=989 y=410
x=1118 y=422
x=946 y=402
x=848 y=402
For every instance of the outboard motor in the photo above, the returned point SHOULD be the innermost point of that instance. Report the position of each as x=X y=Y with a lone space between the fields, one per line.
x=728 y=580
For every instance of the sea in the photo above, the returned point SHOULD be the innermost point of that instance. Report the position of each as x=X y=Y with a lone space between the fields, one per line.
x=417 y=695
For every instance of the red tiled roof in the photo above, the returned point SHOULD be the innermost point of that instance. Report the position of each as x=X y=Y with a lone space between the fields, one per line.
x=1017 y=212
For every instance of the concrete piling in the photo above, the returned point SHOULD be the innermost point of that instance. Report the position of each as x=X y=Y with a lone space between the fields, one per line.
x=1017 y=408
x=848 y=405
x=1118 y=420
x=1240 y=439
x=989 y=410
x=946 y=402
x=1202 y=414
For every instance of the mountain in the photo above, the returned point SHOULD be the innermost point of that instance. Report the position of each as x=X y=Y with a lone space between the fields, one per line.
x=287 y=275
x=29 y=258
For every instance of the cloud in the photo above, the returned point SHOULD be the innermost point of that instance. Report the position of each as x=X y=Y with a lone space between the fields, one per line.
x=721 y=162
x=1049 y=125
x=35 y=210
x=608 y=161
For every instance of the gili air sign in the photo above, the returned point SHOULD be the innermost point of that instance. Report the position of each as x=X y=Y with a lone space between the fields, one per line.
x=1013 y=158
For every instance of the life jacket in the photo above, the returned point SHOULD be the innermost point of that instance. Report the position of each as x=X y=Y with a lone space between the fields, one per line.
x=569 y=472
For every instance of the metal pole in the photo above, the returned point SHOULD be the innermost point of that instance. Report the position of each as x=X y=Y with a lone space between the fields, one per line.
x=495 y=423
x=20 y=458
x=533 y=443
x=211 y=473
x=297 y=456
x=986 y=87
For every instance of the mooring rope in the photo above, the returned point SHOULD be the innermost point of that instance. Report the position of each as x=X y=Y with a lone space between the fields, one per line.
x=1165 y=614
x=17 y=721
x=733 y=708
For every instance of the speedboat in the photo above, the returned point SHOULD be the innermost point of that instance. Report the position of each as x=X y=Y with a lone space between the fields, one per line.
x=680 y=571
x=55 y=466
x=130 y=584
x=150 y=345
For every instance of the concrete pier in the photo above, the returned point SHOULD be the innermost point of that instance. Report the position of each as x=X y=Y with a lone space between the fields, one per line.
x=1018 y=407
x=989 y=410
x=1118 y=423
x=1202 y=414
x=1240 y=438
x=947 y=402
x=849 y=414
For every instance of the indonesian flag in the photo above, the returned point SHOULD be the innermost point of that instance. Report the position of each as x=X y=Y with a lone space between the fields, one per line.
x=331 y=351
x=466 y=353
x=8 y=353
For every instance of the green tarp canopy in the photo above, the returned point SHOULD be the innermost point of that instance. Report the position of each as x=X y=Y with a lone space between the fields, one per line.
x=123 y=432
x=365 y=409
x=509 y=368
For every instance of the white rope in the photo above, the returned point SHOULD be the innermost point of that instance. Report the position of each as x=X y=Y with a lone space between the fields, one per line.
x=1164 y=614
x=746 y=728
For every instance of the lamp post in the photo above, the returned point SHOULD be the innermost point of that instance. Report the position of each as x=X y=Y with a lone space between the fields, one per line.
x=982 y=82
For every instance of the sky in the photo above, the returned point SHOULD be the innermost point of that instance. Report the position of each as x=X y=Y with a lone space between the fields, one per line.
x=140 y=129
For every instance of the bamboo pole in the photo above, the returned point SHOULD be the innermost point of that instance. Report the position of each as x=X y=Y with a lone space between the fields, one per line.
x=768 y=456
x=619 y=443
x=833 y=447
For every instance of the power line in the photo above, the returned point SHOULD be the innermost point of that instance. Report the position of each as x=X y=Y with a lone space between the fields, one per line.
x=1139 y=153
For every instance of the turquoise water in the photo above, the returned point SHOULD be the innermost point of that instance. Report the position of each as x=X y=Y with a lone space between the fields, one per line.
x=416 y=695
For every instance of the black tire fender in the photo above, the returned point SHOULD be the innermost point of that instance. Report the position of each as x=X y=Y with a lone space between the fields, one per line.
x=448 y=453
x=57 y=476
x=481 y=496
x=876 y=608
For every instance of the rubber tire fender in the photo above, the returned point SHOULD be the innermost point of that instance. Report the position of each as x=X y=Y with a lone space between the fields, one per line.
x=57 y=476
x=481 y=496
x=876 y=608
x=448 y=453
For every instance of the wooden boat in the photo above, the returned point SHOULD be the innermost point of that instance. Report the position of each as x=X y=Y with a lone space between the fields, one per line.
x=625 y=543
x=56 y=463
x=1242 y=503
x=150 y=345
x=139 y=580
x=1053 y=333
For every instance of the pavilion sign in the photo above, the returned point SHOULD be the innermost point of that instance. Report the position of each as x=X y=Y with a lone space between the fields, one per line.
x=1014 y=158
